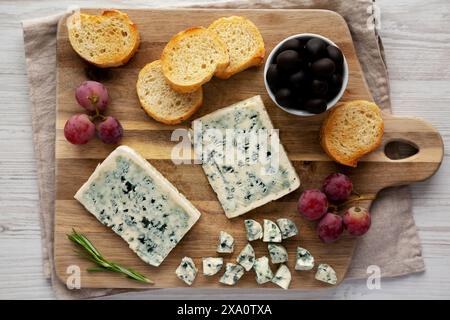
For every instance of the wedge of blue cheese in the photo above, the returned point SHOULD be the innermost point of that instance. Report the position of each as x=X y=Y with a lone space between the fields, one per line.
x=246 y=257
x=271 y=232
x=277 y=253
x=212 y=265
x=304 y=261
x=187 y=271
x=282 y=277
x=253 y=230
x=262 y=270
x=233 y=272
x=245 y=173
x=326 y=273
x=128 y=195
x=225 y=243
x=287 y=227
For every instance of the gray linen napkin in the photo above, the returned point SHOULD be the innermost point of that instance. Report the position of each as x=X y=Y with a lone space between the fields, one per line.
x=392 y=243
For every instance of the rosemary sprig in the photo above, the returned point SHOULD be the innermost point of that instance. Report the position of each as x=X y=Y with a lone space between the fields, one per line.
x=90 y=252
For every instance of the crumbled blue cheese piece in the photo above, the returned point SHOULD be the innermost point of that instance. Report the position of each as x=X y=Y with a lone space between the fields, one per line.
x=278 y=253
x=212 y=265
x=233 y=272
x=271 y=232
x=282 y=277
x=187 y=271
x=262 y=269
x=287 y=227
x=247 y=257
x=262 y=174
x=128 y=195
x=305 y=261
x=326 y=274
x=226 y=243
x=253 y=229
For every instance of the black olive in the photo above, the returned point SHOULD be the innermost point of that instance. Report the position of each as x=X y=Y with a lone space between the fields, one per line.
x=319 y=88
x=298 y=103
x=272 y=76
x=323 y=67
x=315 y=106
x=298 y=79
x=292 y=44
x=316 y=47
x=283 y=97
x=335 y=54
x=289 y=61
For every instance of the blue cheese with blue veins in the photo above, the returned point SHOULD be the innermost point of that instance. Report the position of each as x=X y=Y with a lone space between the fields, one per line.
x=282 y=277
x=187 y=271
x=287 y=227
x=271 y=232
x=244 y=173
x=262 y=270
x=326 y=274
x=247 y=257
x=225 y=243
x=212 y=265
x=277 y=253
x=128 y=195
x=304 y=261
x=253 y=230
x=233 y=272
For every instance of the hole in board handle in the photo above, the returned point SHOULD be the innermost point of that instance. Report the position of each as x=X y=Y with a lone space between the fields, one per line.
x=400 y=149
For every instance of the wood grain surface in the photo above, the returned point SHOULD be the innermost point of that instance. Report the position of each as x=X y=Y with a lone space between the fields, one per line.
x=152 y=140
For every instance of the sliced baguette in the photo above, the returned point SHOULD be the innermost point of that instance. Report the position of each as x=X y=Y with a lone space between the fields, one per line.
x=352 y=130
x=106 y=40
x=244 y=43
x=160 y=101
x=191 y=58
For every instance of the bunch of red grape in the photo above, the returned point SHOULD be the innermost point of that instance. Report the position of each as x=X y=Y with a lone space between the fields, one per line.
x=314 y=205
x=81 y=128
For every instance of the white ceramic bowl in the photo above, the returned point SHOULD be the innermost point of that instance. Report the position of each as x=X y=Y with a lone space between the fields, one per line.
x=297 y=112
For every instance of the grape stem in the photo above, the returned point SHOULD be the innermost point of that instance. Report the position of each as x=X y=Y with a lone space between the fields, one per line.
x=359 y=197
x=97 y=115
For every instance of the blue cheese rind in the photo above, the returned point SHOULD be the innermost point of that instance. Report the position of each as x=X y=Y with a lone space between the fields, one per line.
x=187 y=270
x=262 y=270
x=128 y=195
x=212 y=265
x=242 y=184
x=277 y=253
x=304 y=260
x=226 y=243
x=246 y=257
x=326 y=274
x=287 y=227
x=271 y=232
x=253 y=229
x=282 y=277
x=233 y=272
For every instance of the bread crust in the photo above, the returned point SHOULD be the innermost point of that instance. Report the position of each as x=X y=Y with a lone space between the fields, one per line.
x=149 y=109
x=183 y=88
x=258 y=57
x=108 y=62
x=328 y=126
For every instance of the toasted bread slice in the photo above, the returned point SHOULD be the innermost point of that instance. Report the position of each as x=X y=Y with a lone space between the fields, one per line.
x=244 y=42
x=106 y=40
x=160 y=101
x=352 y=130
x=191 y=58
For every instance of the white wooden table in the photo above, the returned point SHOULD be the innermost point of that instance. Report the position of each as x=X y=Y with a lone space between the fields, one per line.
x=416 y=37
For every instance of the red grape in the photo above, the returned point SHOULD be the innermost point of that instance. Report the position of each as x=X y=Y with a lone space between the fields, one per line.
x=357 y=220
x=337 y=187
x=313 y=204
x=92 y=96
x=79 y=129
x=110 y=130
x=330 y=228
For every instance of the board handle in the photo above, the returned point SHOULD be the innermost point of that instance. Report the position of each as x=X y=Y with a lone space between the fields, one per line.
x=422 y=136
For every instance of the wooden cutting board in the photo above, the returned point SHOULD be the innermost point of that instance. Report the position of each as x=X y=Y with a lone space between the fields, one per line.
x=74 y=164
